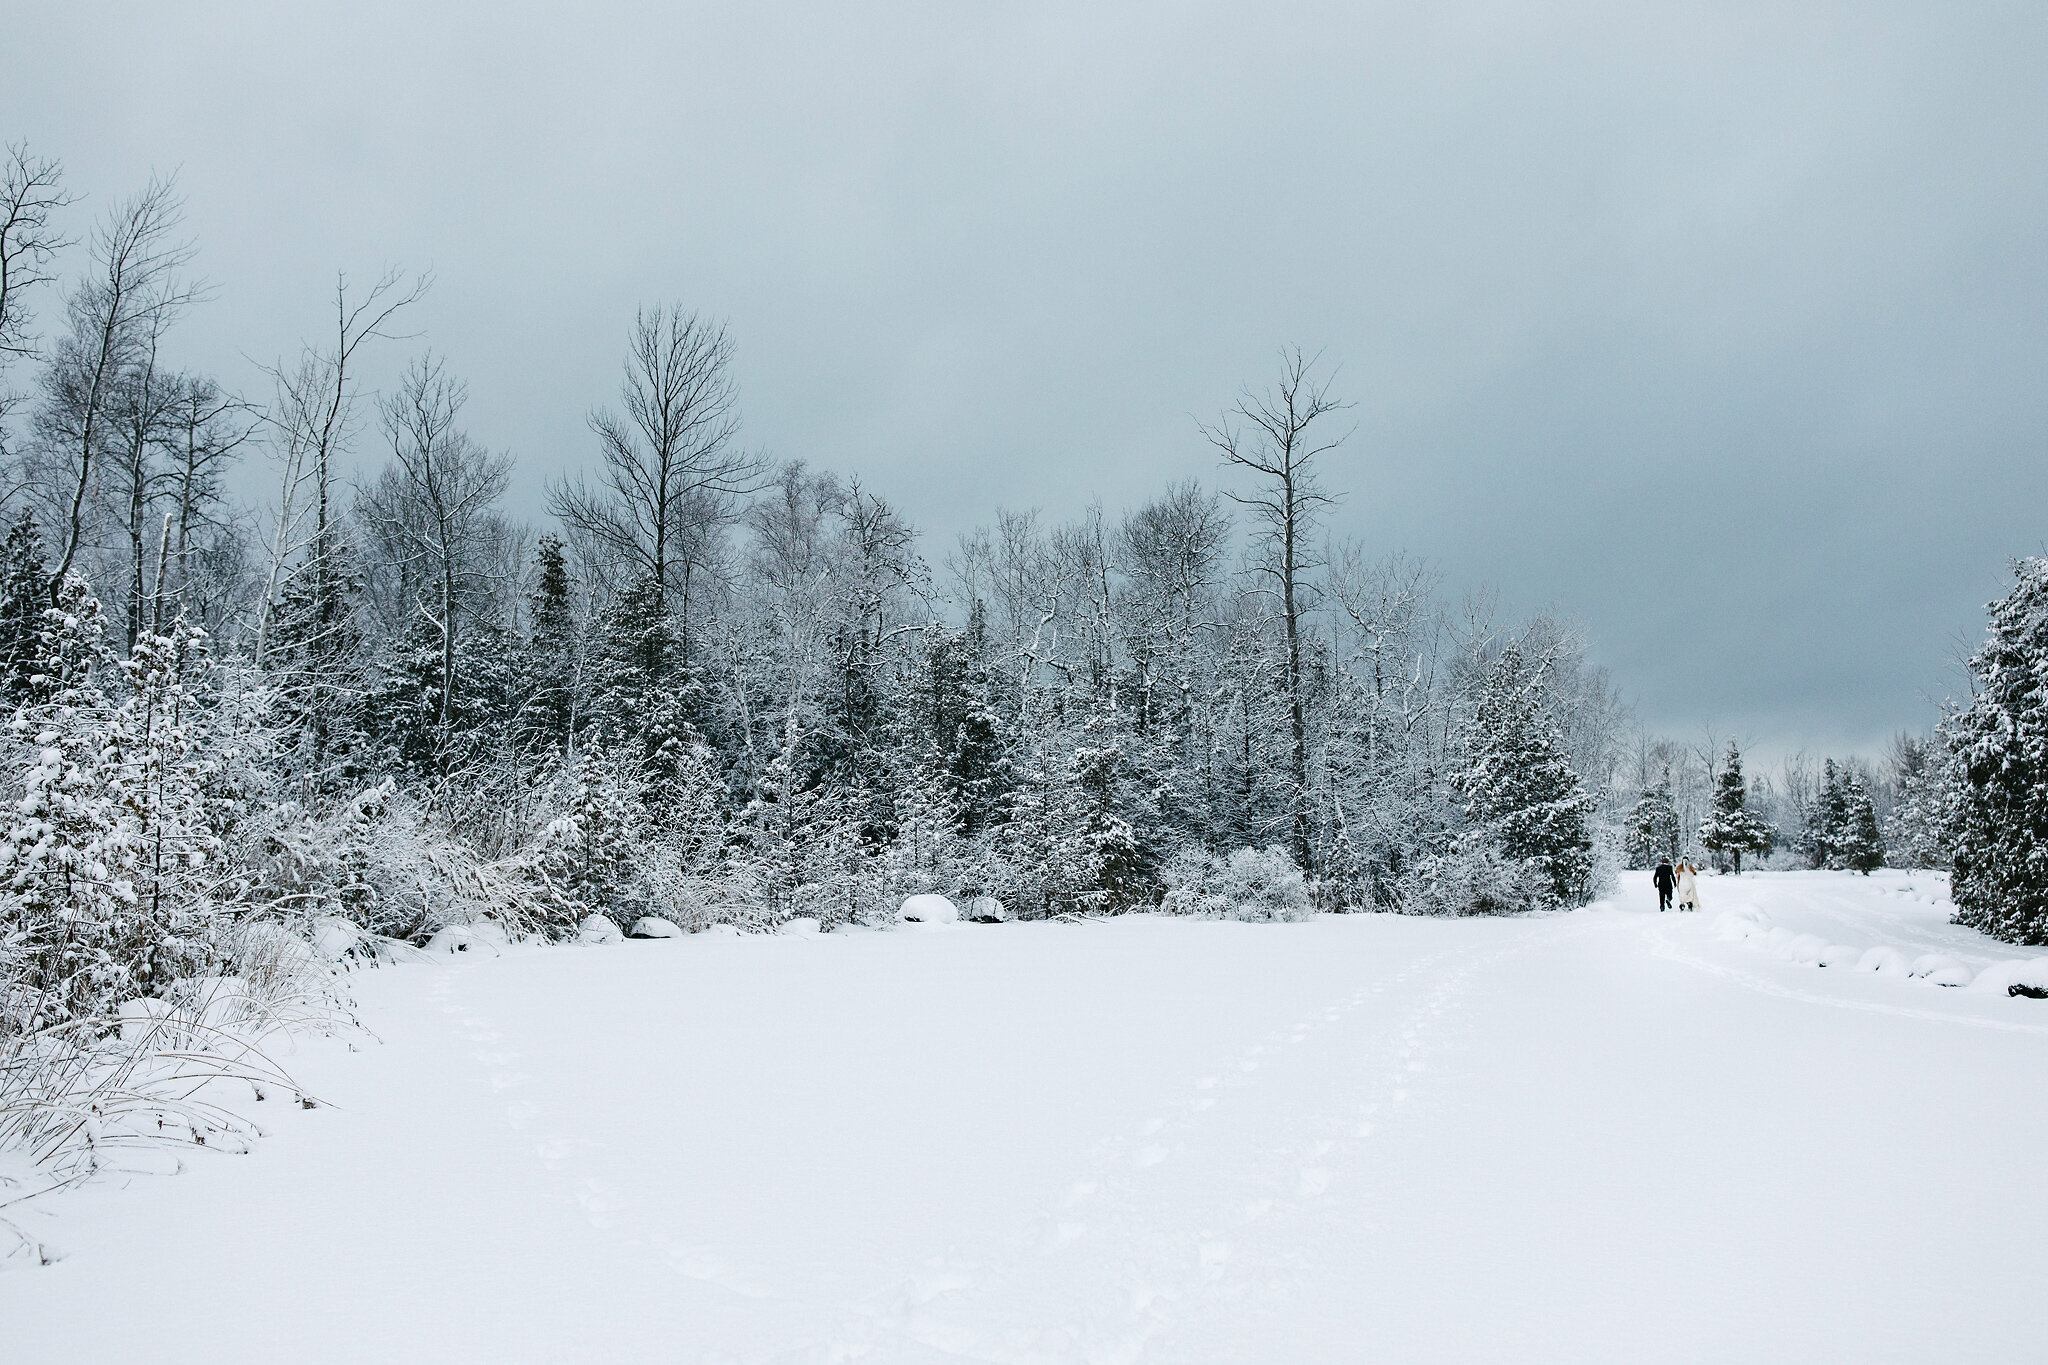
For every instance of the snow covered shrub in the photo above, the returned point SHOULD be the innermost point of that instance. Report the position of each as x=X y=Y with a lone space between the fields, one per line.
x=1250 y=884
x=1476 y=878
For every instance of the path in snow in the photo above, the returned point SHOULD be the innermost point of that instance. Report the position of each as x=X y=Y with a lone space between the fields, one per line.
x=1604 y=1136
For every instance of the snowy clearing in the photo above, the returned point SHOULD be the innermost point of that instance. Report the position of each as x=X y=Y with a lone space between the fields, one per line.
x=1602 y=1136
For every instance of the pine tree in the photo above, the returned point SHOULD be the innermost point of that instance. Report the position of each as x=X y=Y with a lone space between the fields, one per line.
x=1521 y=795
x=1998 y=788
x=1117 y=866
x=1915 y=833
x=1824 y=821
x=24 y=596
x=1653 y=826
x=1859 y=846
x=98 y=855
x=548 y=661
x=1730 y=828
x=588 y=849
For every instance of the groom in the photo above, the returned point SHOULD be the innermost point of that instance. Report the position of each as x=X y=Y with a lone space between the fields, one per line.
x=1665 y=878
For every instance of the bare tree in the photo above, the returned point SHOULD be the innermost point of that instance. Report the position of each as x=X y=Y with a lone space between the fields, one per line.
x=314 y=417
x=433 y=511
x=116 y=317
x=31 y=190
x=671 y=473
x=204 y=429
x=1278 y=435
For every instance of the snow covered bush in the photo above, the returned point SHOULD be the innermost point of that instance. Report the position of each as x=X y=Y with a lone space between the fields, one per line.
x=1476 y=878
x=1250 y=884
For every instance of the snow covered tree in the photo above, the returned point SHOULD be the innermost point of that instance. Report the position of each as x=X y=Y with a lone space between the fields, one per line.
x=102 y=850
x=1653 y=827
x=1521 y=795
x=1731 y=829
x=1824 y=818
x=1998 y=788
x=24 y=595
x=1859 y=847
x=1915 y=832
x=589 y=849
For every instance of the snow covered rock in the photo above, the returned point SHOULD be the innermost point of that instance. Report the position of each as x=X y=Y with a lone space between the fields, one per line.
x=802 y=925
x=1805 y=949
x=653 y=926
x=1883 y=958
x=1937 y=970
x=723 y=931
x=337 y=940
x=987 y=910
x=491 y=931
x=598 y=929
x=462 y=938
x=2019 y=976
x=929 y=909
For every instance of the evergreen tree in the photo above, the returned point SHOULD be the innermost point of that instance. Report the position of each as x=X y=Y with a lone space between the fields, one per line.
x=1824 y=821
x=1859 y=846
x=1653 y=826
x=1915 y=832
x=1998 y=788
x=1730 y=828
x=1521 y=795
x=24 y=596
x=97 y=855
x=1118 y=867
x=548 y=662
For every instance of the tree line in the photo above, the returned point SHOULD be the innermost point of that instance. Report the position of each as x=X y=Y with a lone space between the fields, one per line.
x=718 y=686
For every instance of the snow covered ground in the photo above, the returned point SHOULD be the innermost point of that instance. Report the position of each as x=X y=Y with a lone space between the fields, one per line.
x=1602 y=1136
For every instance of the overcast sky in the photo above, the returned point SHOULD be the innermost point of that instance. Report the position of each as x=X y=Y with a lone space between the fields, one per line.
x=1719 y=326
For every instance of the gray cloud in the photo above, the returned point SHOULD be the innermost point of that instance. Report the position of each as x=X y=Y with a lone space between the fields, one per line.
x=1719 y=325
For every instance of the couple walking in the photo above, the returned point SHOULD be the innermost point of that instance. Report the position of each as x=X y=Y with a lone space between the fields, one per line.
x=1679 y=879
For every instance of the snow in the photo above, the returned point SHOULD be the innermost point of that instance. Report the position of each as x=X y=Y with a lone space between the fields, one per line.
x=462 y=938
x=652 y=926
x=929 y=909
x=1605 y=1136
x=598 y=929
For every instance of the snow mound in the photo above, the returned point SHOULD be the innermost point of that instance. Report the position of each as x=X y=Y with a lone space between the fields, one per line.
x=336 y=940
x=653 y=926
x=929 y=909
x=2000 y=978
x=462 y=938
x=1938 y=970
x=802 y=926
x=1884 y=958
x=598 y=929
x=1840 y=955
x=1742 y=922
x=139 y=1016
x=1805 y=949
x=986 y=910
x=723 y=930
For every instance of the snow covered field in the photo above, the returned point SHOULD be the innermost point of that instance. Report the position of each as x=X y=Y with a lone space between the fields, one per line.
x=1601 y=1136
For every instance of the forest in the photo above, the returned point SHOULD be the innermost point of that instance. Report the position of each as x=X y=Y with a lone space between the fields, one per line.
x=722 y=688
